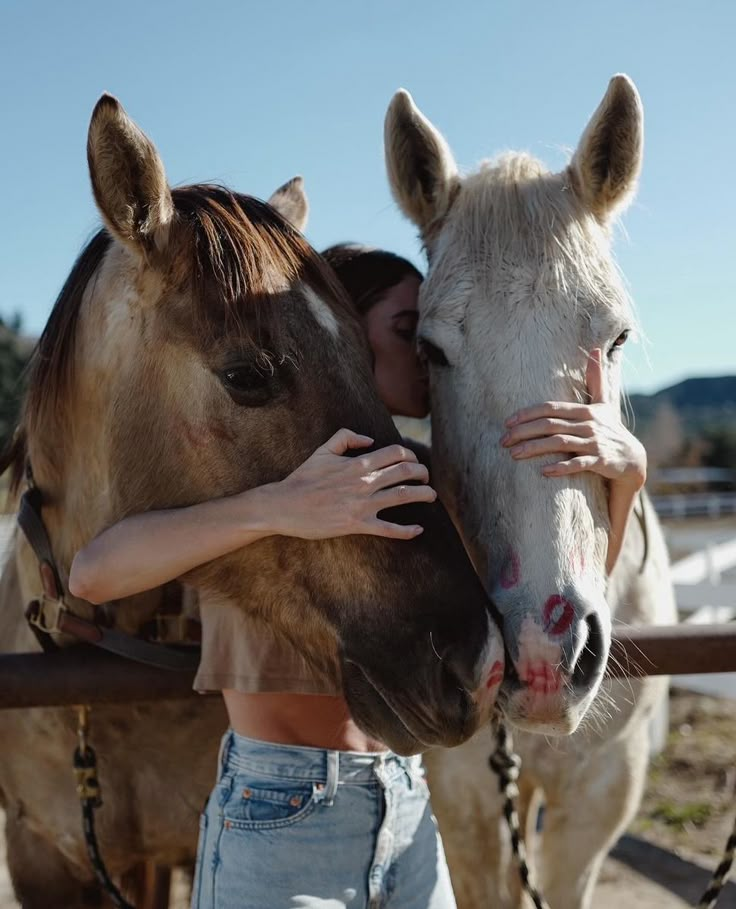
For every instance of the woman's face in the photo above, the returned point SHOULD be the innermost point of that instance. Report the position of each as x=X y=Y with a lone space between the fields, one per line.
x=391 y=327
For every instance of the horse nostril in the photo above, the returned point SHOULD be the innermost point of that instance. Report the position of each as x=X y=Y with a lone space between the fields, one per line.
x=590 y=661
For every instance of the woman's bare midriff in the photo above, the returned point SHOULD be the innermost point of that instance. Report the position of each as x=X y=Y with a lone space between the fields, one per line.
x=311 y=720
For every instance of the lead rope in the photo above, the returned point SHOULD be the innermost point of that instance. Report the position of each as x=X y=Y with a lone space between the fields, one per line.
x=88 y=790
x=506 y=765
x=717 y=882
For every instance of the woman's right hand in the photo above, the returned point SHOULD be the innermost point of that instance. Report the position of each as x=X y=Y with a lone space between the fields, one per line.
x=331 y=495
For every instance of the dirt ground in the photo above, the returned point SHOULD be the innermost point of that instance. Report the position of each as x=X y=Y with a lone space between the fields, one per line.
x=683 y=824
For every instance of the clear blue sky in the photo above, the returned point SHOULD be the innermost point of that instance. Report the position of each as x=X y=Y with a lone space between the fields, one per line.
x=252 y=93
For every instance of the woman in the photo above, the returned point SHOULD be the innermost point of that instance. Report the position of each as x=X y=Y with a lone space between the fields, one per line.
x=308 y=811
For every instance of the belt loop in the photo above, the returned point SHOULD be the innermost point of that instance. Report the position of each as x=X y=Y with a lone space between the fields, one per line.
x=333 y=772
x=224 y=752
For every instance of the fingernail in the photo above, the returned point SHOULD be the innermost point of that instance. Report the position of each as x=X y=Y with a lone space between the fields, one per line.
x=504 y=438
x=512 y=421
x=417 y=530
x=517 y=451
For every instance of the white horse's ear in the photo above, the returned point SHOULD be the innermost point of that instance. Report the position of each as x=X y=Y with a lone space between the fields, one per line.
x=290 y=201
x=128 y=178
x=608 y=159
x=421 y=169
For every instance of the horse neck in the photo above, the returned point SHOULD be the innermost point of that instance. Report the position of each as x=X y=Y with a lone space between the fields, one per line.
x=72 y=464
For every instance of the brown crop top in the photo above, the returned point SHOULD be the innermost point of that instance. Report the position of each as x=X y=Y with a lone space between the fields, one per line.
x=241 y=653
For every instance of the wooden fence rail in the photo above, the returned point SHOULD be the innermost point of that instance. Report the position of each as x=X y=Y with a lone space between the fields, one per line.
x=82 y=675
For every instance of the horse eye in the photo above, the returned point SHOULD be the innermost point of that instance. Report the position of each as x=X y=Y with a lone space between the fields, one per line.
x=244 y=377
x=247 y=384
x=619 y=342
x=432 y=353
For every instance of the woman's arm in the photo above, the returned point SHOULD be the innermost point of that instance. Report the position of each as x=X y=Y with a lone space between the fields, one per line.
x=593 y=438
x=327 y=496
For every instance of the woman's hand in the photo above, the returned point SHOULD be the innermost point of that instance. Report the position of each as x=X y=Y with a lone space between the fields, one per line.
x=331 y=495
x=591 y=437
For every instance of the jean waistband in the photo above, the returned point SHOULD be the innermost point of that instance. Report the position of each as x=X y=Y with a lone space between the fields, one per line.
x=239 y=753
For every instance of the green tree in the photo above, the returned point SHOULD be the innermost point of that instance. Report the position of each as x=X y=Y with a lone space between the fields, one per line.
x=14 y=354
x=720 y=446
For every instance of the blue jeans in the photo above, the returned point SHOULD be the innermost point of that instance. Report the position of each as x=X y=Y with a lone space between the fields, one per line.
x=302 y=828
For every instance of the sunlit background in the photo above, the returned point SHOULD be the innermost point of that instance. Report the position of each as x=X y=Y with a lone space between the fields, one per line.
x=250 y=94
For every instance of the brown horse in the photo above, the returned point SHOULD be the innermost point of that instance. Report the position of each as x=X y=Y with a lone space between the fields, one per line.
x=200 y=347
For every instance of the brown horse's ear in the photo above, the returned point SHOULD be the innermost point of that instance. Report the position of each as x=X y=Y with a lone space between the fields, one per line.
x=608 y=159
x=290 y=201
x=128 y=178
x=421 y=170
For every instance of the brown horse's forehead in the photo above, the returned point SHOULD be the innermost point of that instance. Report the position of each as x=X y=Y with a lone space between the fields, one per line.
x=294 y=319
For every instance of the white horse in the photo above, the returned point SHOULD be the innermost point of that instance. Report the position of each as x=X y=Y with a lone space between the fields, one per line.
x=521 y=285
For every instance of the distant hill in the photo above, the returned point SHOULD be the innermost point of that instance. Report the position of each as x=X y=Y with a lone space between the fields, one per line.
x=700 y=404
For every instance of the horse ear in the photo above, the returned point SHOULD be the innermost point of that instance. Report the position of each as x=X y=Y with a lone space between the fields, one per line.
x=290 y=201
x=421 y=169
x=608 y=159
x=128 y=178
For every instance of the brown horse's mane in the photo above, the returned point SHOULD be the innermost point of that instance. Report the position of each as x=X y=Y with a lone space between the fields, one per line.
x=232 y=246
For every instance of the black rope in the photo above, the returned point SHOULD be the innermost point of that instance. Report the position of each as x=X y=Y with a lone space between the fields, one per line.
x=507 y=765
x=88 y=788
x=710 y=897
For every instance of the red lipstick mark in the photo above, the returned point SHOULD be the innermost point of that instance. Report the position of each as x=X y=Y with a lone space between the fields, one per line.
x=495 y=676
x=558 y=614
x=542 y=678
x=511 y=571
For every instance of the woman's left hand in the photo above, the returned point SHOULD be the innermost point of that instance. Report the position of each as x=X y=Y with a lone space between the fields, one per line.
x=590 y=437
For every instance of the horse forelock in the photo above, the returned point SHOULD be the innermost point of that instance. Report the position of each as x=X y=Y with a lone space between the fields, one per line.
x=233 y=250
x=244 y=250
x=513 y=213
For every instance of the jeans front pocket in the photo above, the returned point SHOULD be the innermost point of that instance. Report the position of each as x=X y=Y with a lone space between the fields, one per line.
x=255 y=803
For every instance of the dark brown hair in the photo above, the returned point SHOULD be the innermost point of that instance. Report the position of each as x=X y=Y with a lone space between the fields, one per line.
x=368 y=273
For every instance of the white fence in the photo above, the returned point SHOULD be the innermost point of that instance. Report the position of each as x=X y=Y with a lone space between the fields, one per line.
x=695 y=504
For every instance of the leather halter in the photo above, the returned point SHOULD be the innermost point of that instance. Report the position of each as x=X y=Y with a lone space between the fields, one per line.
x=51 y=615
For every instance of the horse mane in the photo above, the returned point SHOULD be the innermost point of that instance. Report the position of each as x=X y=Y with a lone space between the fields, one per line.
x=514 y=195
x=232 y=246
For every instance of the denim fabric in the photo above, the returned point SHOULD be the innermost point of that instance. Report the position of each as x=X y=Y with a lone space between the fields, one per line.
x=302 y=828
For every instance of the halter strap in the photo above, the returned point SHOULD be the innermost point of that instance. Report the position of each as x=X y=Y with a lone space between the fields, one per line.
x=51 y=613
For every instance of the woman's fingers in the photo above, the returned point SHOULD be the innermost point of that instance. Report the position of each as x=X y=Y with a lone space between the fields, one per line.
x=344 y=440
x=379 y=528
x=574 y=465
x=402 y=495
x=385 y=457
x=402 y=472
x=547 y=426
x=594 y=376
x=551 y=445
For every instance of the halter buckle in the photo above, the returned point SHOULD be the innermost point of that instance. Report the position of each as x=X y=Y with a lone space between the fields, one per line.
x=45 y=614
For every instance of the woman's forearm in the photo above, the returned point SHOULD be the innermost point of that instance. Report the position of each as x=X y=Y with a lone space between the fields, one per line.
x=146 y=550
x=621 y=499
x=329 y=495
